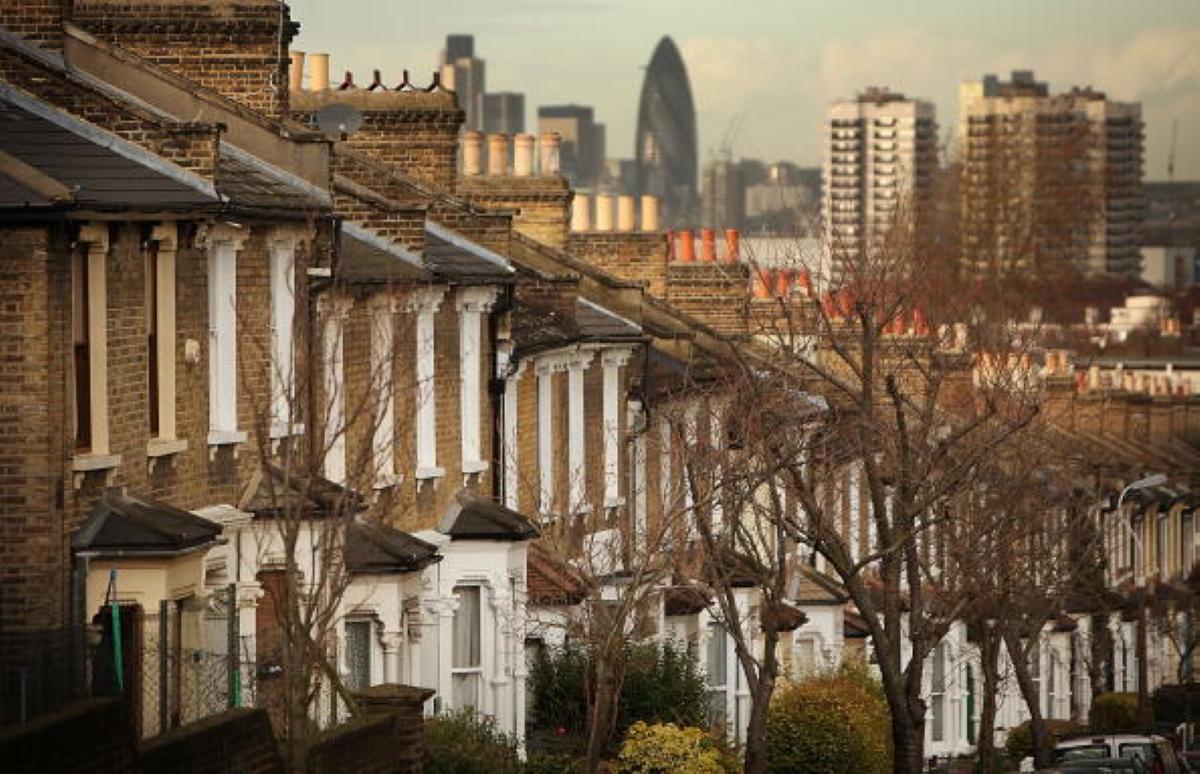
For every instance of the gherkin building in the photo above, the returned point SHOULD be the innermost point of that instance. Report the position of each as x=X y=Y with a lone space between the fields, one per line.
x=666 y=136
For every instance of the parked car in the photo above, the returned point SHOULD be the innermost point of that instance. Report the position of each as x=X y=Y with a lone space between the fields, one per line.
x=1100 y=766
x=1093 y=753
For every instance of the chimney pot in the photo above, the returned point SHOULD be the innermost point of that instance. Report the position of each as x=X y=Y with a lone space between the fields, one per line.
x=523 y=155
x=687 y=246
x=806 y=283
x=296 y=71
x=708 y=245
x=670 y=235
x=604 y=212
x=497 y=163
x=783 y=282
x=549 y=144
x=581 y=212
x=732 y=245
x=626 y=213
x=762 y=282
x=649 y=213
x=472 y=146
x=318 y=73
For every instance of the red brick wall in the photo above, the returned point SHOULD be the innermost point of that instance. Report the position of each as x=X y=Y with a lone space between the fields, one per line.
x=90 y=737
x=238 y=740
x=237 y=48
x=631 y=256
x=39 y=21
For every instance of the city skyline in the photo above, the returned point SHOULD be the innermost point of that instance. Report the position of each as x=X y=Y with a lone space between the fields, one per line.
x=741 y=63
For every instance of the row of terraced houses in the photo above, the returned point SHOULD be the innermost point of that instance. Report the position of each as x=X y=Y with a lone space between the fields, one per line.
x=197 y=284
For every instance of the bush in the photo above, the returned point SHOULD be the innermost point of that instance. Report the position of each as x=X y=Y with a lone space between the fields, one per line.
x=1114 y=713
x=662 y=685
x=666 y=748
x=1176 y=704
x=465 y=743
x=1019 y=743
x=830 y=724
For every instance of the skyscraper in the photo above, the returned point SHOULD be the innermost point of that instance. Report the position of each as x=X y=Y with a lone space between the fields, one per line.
x=665 y=147
x=466 y=76
x=880 y=148
x=504 y=112
x=723 y=199
x=1051 y=179
x=582 y=148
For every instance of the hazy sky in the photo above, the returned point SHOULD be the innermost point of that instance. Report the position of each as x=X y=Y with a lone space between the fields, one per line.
x=777 y=63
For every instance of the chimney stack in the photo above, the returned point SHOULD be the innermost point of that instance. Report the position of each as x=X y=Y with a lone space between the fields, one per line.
x=626 y=213
x=581 y=212
x=550 y=142
x=472 y=147
x=708 y=245
x=649 y=213
x=687 y=246
x=604 y=212
x=523 y=155
x=318 y=74
x=296 y=71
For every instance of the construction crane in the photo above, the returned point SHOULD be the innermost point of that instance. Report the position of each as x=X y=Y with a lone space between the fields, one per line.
x=725 y=152
x=1171 y=152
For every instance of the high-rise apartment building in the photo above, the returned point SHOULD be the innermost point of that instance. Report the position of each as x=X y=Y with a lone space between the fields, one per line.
x=880 y=150
x=504 y=112
x=1050 y=179
x=582 y=150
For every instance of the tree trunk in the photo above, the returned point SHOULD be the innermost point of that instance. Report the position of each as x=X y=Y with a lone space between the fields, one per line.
x=1043 y=749
x=1143 y=668
x=600 y=715
x=756 y=730
x=908 y=738
x=989 y=653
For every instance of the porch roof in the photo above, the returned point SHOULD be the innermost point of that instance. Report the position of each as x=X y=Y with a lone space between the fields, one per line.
x=123 y=524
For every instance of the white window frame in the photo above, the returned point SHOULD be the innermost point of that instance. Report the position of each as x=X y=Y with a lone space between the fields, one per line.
x=333 y=312
x=369 y=624
x=611 y=361
x=716 y=636
x=224 y=241
x=545 y=436
x=853 y=486
x=577 y=433
x=512 y=441
x=637 y=478
x=281 y=257
x=383 y=379
x=937 y=693
x=477 y=670
x=98 y=456
x=426 y=302
x=472 y=303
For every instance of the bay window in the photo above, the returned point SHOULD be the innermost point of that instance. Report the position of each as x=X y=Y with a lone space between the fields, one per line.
x=466 y=666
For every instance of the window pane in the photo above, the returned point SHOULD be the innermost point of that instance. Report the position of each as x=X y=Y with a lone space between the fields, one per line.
x=466 y=628
x=465 y=690
x=716 y=655
x=358 y=654
x=939 y=717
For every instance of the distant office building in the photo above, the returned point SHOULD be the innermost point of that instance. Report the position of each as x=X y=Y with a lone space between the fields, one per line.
x=620 y=175
x=504 y=112
x=582 y=150
x=665 y=147
x=1064 y=170
x=880 y=149
x=785 y=200
x=723 y=197
x=1170 y=234
x=466 y=76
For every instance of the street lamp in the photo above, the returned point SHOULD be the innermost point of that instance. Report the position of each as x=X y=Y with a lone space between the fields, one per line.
x=1143 y=701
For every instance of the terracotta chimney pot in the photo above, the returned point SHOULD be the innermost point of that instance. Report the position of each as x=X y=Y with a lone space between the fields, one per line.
x=708 y=245
x=783 y=282
x=472 y=148
x=296 y=71
x=733 y=245
x=806 y=283
x=649 y=213
x=497 y=163
x=626 y=213
x=687 y=246
x=523 y=155
x=604 y=212
x=318 y=73
x=581 y=212
x=762 y=282
x=549 y=144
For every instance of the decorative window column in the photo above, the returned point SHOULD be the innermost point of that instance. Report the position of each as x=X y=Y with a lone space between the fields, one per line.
x=716 y=426
x=160 y=318
x=691 y=423
x=471 y=304
x=512 y=472
x=612 y=360
x=854 y=493
x=636 y=420
x=425 y=303
x=383 y=390
x=223 y=242
x=90 y=324
x=666 y=477
x=576 y=435
x=546 y=367
x=333 y=312
x=282 y=244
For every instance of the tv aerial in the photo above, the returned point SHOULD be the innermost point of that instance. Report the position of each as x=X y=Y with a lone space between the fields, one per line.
x=338 y=121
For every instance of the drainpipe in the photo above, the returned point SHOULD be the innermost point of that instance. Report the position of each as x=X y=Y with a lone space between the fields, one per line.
x=496 y=386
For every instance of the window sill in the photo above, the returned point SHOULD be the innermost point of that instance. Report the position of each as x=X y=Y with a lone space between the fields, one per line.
x=280 y=430
x=82 y=464
x=614 y=502
x=158 y=448
x=386 y=481
x=219 y=438
x=426 y=473
x=471 y=467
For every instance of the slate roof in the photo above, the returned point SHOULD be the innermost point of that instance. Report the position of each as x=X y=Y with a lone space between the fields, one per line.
x=371 y=547
x=130 y=525
x=247 y=181
x=473 y=518
x=368 y=258
x=273 y=491
x=595 y=321
x=455 y=257
x=101 y=169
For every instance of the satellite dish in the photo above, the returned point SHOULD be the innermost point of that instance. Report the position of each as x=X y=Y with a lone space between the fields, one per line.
x=338 y=121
